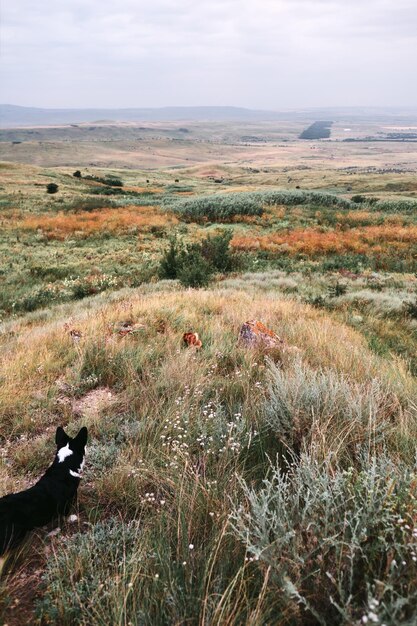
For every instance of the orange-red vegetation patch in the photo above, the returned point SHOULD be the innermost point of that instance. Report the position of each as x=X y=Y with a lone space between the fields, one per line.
x=61 y=225
x=374 y=239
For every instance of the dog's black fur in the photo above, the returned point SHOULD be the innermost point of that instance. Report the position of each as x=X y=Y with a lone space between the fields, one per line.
x=50 y=497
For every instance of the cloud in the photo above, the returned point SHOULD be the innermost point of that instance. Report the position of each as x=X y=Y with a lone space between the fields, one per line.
x=268 y=53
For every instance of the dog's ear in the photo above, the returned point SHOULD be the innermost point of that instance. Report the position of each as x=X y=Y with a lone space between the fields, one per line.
x=81 y=439
x=61 y=437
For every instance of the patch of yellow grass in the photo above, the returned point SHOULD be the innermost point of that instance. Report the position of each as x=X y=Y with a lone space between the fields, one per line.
x=39 y=356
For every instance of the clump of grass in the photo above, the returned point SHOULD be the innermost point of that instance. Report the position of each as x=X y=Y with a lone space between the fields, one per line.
x=86 y=574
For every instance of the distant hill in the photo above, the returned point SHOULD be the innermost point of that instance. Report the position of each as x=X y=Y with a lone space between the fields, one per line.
x=12 y=115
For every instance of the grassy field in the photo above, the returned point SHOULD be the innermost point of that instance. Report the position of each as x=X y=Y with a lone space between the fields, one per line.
x=229 y=485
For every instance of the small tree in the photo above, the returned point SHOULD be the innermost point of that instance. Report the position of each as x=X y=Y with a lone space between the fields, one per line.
x=51 y=188
x=216 y=250
x=169 y=265
x=194 y=264
x=194 y=270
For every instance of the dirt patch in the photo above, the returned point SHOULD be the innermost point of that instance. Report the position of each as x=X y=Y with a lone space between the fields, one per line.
x=23 y=588
x=94 y=402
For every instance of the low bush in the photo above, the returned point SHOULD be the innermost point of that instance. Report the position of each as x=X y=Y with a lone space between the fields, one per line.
x=410 y=309
x=170 y=262
x=303 y=402
x=225 y=207
x=106 y=191
x=194 y=264
x=339 y=546
x=87 y=204
x=216 y=250
x=194 y=269
x=86 y=575
x=107 y=180
x=336 y=290
x=397 y=206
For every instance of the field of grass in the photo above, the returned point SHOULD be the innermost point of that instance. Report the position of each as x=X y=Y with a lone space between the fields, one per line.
x=227 y=485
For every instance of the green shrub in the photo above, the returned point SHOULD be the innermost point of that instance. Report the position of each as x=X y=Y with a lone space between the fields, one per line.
x=51 y=188
x=216 y=250
x=194 y=264
x=94 y=569
x=35 y=299
x=49 y=272
x=397 y=206
x=336 y=290
x=87 y=204
x=194 y=270
x=169 y=265
x=410 y=309
x=360 y=199
x=106 y=191
x=107 y=180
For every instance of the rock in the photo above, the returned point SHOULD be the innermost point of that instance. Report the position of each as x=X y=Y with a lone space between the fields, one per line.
x=72 y=518
x=255 y=334
x=192 y=340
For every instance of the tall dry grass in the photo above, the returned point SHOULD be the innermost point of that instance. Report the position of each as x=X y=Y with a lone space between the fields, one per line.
x=168 y=454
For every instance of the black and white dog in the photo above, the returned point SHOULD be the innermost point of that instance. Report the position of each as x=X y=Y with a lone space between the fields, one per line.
x=50 y=497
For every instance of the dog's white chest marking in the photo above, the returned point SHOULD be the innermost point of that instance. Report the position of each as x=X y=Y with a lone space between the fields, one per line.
x=80 y=471
x=63 y=453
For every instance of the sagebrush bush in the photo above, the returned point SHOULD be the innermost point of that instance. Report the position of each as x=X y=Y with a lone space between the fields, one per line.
x=339 y=546
x=95 y=568
x=325 y=411
x=224 y=207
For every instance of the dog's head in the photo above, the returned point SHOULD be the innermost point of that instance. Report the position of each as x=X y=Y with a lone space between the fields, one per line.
x=71 y=451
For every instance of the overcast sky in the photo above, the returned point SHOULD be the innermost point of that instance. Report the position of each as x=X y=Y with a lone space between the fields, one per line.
x=269 y=54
